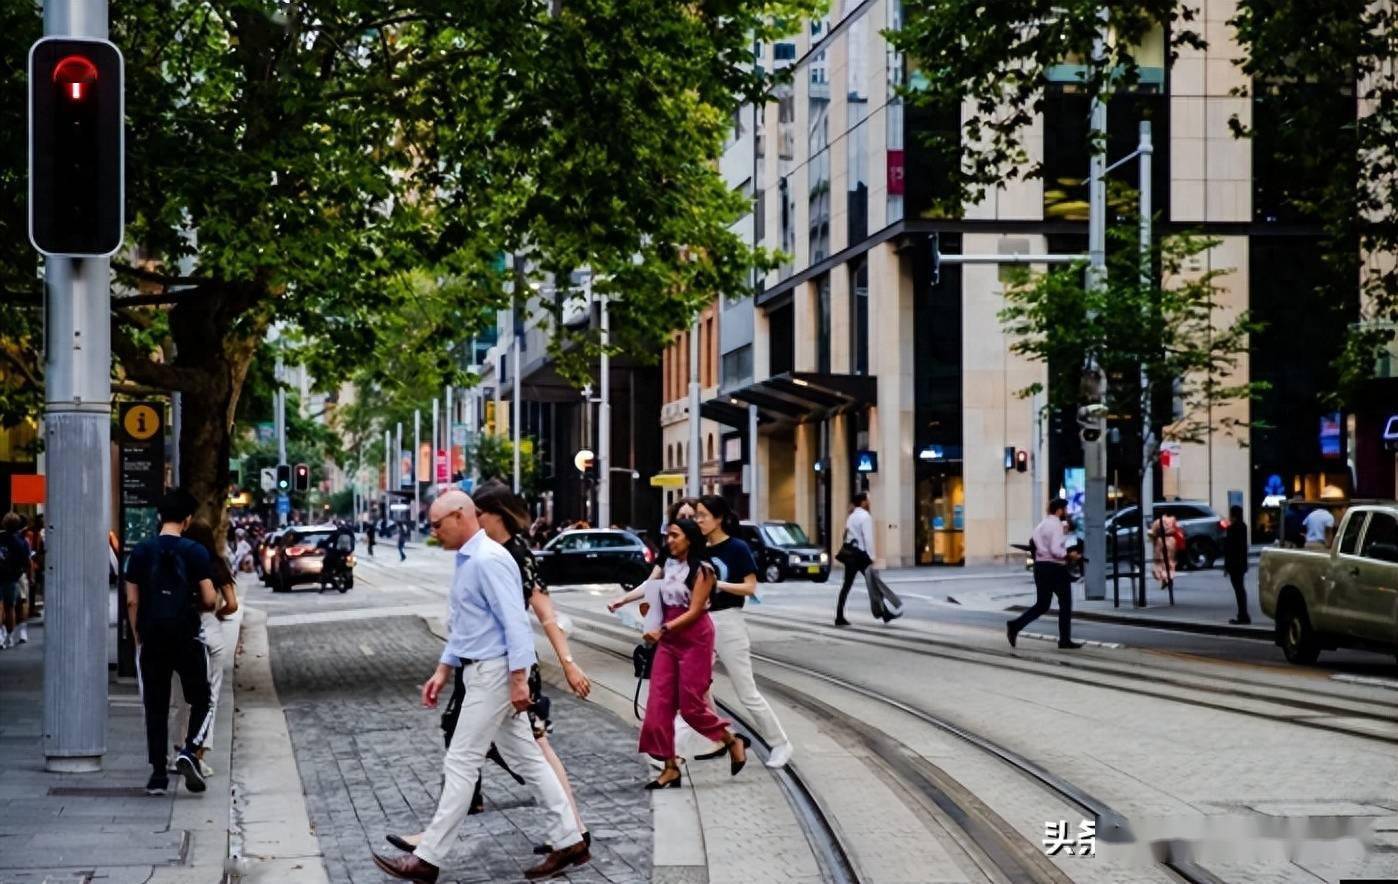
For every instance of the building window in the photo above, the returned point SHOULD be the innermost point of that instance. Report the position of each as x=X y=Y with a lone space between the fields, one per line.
x=780 y=334
x=823 y=323
x=737 y=366
x=859 y=316
x=711 y=446
x=1287 y=178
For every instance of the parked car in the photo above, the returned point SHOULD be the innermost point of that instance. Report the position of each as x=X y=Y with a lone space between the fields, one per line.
x=301 y=556
x=1344 y=597
x=595 y=555
x=784 y=552
x=1203 y=528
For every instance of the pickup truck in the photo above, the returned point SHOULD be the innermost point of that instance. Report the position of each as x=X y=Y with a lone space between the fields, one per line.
x=1345 y=596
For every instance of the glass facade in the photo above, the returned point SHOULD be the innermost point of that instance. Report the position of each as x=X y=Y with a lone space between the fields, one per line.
x=818 y=149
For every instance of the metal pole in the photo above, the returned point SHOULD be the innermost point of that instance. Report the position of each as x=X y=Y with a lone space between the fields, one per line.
x=1095 y=452
x=755 y=507
x=604 y=427
x=77 y=507
x=448 y=443
x=387 y=472
x=1146 y=150
x=516 y=419
x=695 y=446
x=398 y=458
x=417 y=455
x=176 y=427
x=436 y=434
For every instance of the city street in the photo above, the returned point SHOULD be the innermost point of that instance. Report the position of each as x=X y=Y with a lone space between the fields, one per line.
x=929 y=733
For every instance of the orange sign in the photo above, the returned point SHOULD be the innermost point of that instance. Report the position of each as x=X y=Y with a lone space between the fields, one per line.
x=27 y=489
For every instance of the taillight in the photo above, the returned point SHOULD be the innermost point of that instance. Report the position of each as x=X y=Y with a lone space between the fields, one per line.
x=650 y=556
x=1223 y=523
x=295 y=551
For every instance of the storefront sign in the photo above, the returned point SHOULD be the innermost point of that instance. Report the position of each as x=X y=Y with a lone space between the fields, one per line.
x=1330 y=444
x=1390 y=433
x=932 y=452
x=895 y=172
x=866 y=462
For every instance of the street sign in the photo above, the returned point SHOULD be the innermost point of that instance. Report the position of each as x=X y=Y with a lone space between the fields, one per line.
x=1170 y=455
x=667 y=480
x=443 y=475
x=142 y=475
x=283 y=505
x=141 y=422
x=866 y=462
x=268 y=478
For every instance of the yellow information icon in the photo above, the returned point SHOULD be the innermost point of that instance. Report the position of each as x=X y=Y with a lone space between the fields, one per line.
x=141 y=422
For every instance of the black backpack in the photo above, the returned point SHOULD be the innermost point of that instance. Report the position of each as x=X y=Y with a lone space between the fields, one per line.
x=13 y=558
x=168 y=600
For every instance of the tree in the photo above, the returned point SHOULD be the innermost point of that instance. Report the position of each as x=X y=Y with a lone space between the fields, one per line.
x=1155 y=342
x=492 y=457
x=291 y=163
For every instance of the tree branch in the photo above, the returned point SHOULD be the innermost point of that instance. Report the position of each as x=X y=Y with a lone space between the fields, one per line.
x=137 y=365
x=161 y=279
x=20 y=363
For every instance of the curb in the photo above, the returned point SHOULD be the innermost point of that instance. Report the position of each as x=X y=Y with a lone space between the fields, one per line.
x=1257 y=633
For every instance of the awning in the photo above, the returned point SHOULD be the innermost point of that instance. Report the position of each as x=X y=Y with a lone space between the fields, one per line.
x=798 y=396
x=729 y=412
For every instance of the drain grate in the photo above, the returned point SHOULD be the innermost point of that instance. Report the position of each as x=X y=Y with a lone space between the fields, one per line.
x=97 y=792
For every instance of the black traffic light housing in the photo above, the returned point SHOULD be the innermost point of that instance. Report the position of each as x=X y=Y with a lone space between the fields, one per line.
x=283 y=477
x=302 y=477
x=1021 y=460
x=76 y=147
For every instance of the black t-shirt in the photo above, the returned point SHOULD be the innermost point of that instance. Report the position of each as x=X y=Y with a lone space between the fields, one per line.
x=140 y=567
x=733 y=561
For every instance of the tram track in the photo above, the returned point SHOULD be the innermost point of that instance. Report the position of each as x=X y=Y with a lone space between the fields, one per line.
x=1084 y=671
x=987 y=839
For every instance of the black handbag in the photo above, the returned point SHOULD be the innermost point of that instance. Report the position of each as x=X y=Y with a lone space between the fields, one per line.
x=848 y=553
x=641 y=658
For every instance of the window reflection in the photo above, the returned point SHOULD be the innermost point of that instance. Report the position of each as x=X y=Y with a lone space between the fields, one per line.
x=818 y=143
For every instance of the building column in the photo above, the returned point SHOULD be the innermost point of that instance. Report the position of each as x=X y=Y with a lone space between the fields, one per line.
x=841 y=479
x=894 y=487
x=807 y=453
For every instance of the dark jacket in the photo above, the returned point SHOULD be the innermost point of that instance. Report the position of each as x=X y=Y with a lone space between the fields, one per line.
x=1235 y=548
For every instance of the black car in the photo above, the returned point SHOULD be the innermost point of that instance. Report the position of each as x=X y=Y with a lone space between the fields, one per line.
x=784 y=552
x=596 y=555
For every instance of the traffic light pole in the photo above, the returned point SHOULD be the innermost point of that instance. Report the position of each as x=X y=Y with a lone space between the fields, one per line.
x=604 y=424
x=77 y=438
x=1095 y=450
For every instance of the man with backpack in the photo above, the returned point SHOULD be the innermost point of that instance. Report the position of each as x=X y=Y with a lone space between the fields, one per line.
x=167 y=586
x=14 y=569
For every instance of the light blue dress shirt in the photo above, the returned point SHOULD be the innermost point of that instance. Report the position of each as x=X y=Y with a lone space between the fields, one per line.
x=486 y=618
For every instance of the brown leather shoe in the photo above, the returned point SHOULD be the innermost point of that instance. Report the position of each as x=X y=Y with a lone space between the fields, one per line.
x=408 y=868
x=559 y=861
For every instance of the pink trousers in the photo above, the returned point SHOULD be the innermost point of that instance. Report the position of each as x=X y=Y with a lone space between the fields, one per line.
x=679 y=682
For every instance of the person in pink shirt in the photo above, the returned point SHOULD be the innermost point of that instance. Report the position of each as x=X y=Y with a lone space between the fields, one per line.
x=1051 y=578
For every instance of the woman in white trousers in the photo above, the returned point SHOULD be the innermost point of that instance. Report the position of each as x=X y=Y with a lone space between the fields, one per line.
x=737 y=580
x=211 y=627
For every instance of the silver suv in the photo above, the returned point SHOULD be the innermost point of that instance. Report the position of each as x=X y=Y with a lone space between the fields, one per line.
x=1203 y=529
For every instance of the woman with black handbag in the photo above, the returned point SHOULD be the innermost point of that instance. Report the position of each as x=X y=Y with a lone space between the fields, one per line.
x=857 y=555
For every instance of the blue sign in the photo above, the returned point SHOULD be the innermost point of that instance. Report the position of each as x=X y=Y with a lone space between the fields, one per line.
x=1275 y=486
x=866 y=462
x=466 y=485
x=1330 y=435
x=283 y=505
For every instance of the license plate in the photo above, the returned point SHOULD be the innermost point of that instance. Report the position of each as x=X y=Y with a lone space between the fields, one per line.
x=813 y=569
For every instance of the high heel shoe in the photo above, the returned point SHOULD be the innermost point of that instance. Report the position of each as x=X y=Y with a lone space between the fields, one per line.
x=735 y=766
x=668 y=784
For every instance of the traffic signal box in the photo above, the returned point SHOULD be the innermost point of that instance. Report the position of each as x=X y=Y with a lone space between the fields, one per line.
x=76 y=147
x=302 y=477
x=283 y=477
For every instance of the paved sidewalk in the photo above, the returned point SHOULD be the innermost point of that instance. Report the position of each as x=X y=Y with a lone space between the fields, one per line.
x=370 y=759
x=63 y=828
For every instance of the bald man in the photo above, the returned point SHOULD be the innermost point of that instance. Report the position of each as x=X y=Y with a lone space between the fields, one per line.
x=489 y=637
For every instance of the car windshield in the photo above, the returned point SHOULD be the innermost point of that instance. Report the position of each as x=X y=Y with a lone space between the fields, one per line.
x=785 y=534
x=308 y=538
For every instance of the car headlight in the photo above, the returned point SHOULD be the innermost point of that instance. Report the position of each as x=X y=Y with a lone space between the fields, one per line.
x=795 y=559
x=825 y=558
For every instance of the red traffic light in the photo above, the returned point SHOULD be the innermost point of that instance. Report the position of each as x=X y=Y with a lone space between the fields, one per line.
x=76 y=77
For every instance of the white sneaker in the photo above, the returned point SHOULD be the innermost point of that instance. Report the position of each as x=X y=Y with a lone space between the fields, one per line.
x=4 y=636
x=23 y=633
x=780 y=755
x=204 y=768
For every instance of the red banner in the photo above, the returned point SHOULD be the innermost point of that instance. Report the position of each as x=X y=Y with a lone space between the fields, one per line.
x=895 y=172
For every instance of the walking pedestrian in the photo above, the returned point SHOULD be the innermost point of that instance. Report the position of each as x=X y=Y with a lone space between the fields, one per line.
x=1168 y=539
x=402 y=541
x=211 y=629
x=167 y=586
x=1051 y=579
x=736 y=580
x=369 y=537
x=503 y=517
x=1235 y=561
x=683 y=662
x=15 y=568
x=489 y=637
x=857 y=555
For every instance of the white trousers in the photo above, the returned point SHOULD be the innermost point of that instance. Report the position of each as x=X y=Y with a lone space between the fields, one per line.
x=213 y=641
x=486 y=717
x=734 y=650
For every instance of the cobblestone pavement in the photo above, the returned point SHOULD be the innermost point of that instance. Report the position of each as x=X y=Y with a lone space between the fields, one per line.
x=370 y=758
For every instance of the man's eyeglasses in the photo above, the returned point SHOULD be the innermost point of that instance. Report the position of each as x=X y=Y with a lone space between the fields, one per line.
x=436 y=524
